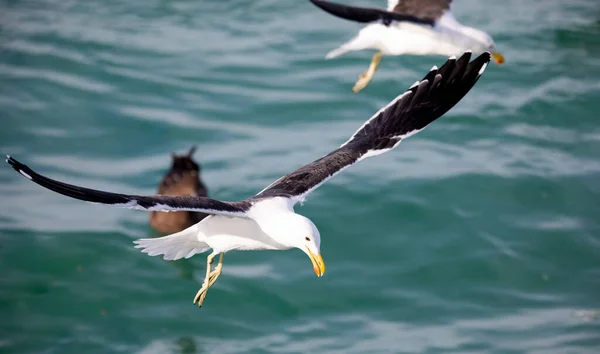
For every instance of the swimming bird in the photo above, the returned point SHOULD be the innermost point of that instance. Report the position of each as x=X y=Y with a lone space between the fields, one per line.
x=417 y=27
x=267 y=221
x=183 y=178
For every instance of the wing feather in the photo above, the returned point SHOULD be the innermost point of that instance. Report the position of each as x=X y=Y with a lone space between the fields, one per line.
x=367 y=15
x=406 y=115
x=432 y=9
x=150 y=203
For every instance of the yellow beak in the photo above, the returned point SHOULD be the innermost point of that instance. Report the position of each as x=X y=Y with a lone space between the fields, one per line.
x=498 y=58
x=317 y=261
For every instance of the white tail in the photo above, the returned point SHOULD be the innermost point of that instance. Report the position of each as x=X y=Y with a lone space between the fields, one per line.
x=367 y=38
x=337 y=52
x=183 y=244
x=344 y=48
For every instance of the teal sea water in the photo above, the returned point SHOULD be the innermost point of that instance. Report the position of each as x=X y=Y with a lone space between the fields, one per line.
x=479 y=235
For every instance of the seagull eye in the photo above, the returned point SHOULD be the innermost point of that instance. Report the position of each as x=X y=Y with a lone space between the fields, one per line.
x=307 y=238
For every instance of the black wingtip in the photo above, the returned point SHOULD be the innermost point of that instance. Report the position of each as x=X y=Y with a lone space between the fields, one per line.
x=479 y=64
x=485 y=56
x=351 y=13
x=367 y=15
x=465 y=60
x=447 y=85
x=466 y=56
x=19 y=167
x=9 y=160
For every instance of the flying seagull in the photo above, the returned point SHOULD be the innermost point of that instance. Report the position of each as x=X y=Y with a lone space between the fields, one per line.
x=183 y=178
x=418 y=27
x=267 y=221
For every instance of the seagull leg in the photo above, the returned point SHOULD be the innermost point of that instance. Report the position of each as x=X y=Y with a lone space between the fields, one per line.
x=365 y=78
x=212 y=278
x=201 y=294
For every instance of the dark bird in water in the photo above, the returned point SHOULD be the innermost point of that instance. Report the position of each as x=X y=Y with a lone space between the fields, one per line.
x=182 y=179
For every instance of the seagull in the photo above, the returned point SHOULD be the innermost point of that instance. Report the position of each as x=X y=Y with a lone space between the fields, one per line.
x=418 y=27
x=183 y=178
x=267 y=220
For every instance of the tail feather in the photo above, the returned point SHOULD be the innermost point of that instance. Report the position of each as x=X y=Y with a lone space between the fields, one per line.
x=337 y=52
x=359 y=42
x=183 y=244
x=367 y=38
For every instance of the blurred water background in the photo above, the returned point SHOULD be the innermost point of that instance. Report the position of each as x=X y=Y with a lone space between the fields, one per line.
x=479 y=235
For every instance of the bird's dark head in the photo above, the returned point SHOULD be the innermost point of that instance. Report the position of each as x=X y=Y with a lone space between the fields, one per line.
x=185 y=162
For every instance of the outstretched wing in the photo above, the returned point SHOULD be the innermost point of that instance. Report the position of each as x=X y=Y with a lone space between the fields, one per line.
x=409 y=113
x=150 y=203
x=431 y=9
x=366 y=15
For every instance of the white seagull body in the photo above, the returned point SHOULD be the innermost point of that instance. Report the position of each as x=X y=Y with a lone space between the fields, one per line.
x=267 y=221
x=425 y=27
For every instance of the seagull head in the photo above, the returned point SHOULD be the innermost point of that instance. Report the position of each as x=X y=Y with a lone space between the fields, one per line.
x=301 y=233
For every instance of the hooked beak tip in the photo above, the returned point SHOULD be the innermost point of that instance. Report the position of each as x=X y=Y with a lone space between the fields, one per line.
x=498 y=58
x=317 y=262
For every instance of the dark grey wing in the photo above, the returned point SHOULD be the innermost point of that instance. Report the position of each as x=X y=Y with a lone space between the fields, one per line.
x=409 y=113
x=430 y=9
x=366 y=15
x=150 y=203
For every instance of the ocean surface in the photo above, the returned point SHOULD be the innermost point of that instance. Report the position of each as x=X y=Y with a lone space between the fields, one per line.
x=480 y=234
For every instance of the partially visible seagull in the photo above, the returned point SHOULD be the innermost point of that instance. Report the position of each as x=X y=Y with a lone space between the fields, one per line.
x=267 y=221
x=183 y=178
x=418 y=27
